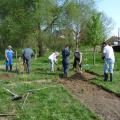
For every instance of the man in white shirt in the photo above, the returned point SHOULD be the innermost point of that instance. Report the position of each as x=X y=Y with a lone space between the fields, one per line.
x=109 y=58
x=53 y=58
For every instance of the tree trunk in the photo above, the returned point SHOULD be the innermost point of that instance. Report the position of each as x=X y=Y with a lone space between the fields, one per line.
x=76 y=41
x=94 y=51
x=40 y=48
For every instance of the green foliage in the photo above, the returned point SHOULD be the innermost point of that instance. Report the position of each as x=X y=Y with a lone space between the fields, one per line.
x=95 y=30
x=33 y=22
x=16 y=23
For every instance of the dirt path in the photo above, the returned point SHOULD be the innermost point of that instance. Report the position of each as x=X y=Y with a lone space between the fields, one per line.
x=105 y=104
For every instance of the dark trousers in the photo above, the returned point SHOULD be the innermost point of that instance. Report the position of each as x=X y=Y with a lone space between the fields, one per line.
x=77 y=65
x=27 y=65
x=65 y=69
x=8 y=65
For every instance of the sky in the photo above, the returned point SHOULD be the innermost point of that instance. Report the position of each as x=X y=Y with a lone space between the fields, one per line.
x=112 y=9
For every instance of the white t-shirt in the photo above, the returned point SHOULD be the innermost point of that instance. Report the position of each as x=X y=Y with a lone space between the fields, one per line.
x=108 y=52
x=53 y=57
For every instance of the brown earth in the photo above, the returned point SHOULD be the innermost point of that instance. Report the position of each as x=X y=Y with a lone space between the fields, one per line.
x=105 y=104
x=6 y=116
x=3 y=118
x=6 y=76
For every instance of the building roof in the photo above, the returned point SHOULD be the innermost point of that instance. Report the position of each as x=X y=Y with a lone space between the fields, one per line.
x=113 y=39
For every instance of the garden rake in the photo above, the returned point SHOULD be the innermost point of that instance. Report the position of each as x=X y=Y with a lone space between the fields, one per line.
x=15 y=96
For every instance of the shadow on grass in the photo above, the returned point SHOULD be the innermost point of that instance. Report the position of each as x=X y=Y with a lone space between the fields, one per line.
x=44 y=61
x=40 y=69
x=46 y=73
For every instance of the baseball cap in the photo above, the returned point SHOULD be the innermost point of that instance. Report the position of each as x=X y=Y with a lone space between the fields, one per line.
x=9 y=46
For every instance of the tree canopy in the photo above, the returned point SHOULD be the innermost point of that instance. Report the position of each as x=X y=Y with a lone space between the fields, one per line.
x=38 y=22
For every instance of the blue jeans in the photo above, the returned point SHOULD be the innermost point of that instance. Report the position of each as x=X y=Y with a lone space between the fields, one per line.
x=108 y=65
x=51 y=65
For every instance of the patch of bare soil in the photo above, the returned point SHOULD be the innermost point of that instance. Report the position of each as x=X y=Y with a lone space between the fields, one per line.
x=6 y=116
x=3 y=118
x=6 y=76
x=105 y=104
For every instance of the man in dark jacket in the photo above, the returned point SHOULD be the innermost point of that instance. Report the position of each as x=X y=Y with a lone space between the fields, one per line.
x=65 y=60
x=27 y=54
x=77 y=60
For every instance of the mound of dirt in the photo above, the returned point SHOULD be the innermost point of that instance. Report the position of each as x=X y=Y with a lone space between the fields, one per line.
x=105 y=104
x=82 y=76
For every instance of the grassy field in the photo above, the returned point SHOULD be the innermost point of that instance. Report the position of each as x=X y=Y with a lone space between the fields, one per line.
x=51 y=102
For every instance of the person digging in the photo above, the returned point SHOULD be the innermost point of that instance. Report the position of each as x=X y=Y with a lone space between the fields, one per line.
x=27 y=54
x=77 y=61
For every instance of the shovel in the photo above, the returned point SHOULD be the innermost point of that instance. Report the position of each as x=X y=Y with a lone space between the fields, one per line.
x=15 y=96
x=16 y=62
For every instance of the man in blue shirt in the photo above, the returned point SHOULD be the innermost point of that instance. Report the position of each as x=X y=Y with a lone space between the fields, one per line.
x=9 y=58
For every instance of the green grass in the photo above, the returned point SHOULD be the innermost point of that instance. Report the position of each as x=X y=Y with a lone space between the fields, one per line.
x=52 y=103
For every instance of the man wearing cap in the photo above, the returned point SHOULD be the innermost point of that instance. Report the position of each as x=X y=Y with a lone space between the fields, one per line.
x=109 y=60
x=9 y=58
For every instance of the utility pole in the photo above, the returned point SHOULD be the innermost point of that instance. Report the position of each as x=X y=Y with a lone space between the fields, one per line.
x=118 y=36
x=118 y=33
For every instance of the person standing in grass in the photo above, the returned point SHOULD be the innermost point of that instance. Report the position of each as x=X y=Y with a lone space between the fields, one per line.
x=65 y=60
x=109 y=60
x=27 y=54
x=9 y=58
x=52 y=59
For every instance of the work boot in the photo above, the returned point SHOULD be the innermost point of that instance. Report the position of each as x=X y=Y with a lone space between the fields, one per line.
x=105 y=76
x=110 y=77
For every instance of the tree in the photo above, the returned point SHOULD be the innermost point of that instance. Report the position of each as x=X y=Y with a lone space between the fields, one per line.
x=79 y=12
x=16 y=22
x=95 y=32
x=28 y=21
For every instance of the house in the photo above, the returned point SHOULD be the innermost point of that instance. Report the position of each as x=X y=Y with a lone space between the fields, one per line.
x=115 y=42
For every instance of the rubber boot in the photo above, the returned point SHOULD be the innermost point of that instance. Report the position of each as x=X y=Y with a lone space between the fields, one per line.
x=6 y=67
x=65 y=75
x=10 y=67
x=111 y=77
x=105 y=76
